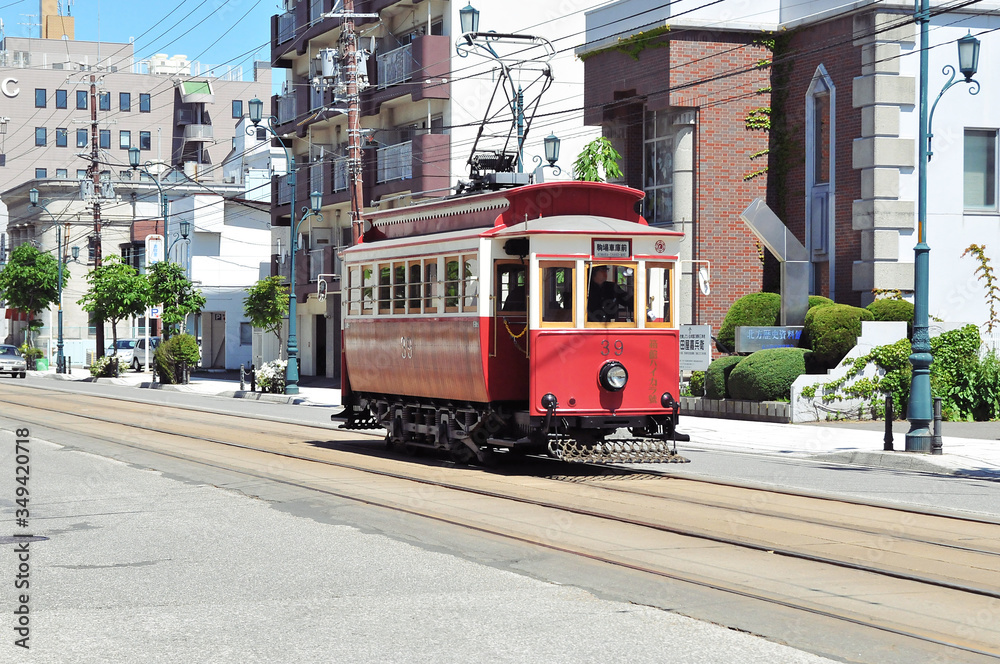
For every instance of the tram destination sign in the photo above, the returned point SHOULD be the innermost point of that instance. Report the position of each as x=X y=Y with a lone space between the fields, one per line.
x=617 y=248
x=695 y=343
x=751 y=338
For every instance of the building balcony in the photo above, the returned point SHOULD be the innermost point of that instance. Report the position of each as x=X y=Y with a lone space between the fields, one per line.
x=418 y=165
x=198 y=133
x=421 y=69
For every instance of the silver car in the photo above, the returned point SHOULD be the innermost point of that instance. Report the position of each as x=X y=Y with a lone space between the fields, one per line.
x=132 y=352
x=12 y=362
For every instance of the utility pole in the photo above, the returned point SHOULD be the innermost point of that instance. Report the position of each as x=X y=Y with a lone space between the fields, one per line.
x=95 y=176
x=349 y=48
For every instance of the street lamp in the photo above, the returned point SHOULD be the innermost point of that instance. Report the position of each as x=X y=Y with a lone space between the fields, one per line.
x=468 y=16
x=919 y=410
x=292 y=371
x=60 y=358
x=185 y=230
x=552 y=144
x=134 y=162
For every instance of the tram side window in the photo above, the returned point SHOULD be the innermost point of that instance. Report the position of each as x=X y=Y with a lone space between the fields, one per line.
x=557 y=294
x=415 y=282
x=399 y=288
x=431 y=288
x=452 y=283
x=368 y=290
x=471 y=284
x=511 y=287
x=354 y=290
x=611 y=294
x=384 y=289
x=659 y=303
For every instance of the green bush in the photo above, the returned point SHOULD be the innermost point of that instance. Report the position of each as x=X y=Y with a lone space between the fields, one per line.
x=767 y=375
x=752 y=309
x=718 y=374
x=819 y=301
x=697 y=385
x=954 y=370
x=832 y=331
x=893 y=310
x=170 y=355
x=107 y=367
x=30 y=354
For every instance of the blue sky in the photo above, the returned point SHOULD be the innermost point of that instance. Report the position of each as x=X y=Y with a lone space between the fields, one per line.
x=195 y=28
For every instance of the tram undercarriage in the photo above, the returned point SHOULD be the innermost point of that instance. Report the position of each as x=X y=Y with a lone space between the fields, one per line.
x=468 y=431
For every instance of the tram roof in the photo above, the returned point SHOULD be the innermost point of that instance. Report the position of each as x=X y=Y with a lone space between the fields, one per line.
x=579 y=224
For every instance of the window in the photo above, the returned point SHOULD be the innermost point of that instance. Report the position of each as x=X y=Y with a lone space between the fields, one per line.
x=432 y=301
x=125 y=139
x=81 y=174
x=144 y=140
x=511 y=288
x=144 y=102
x=61 y=137
x=611 y=295
x=105 y=139
x=980 y=180
x=659 y=303
x=41 y=173
x=125 y=175
x=40 y=95
x=81 y=138
x=40 y=136
x=658 y=168
x=62 y=173
x=125 y=101
x=557 y=293
x=237 y=108
x=384 y=289
x=452 y=283
x=398 y=288
x=471 y=283
x=104 y=101
x=81 y=99
x=246 y=334
x=60 y=99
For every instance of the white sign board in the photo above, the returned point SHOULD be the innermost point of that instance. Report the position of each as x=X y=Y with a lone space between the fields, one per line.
x=154 y=312
x=695 y=347
x=154 y=249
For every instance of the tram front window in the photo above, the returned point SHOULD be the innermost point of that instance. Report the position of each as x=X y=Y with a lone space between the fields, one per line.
x=611 y=294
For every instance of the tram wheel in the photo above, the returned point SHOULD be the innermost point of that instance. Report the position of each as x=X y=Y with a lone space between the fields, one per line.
x=394 y=438
x=459 y=451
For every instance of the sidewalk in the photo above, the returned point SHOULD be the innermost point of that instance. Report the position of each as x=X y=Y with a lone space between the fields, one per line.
x=971 y=449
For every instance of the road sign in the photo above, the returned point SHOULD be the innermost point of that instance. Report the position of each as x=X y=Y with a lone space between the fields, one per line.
x=154 y=312
x=154 y=249
x=695 y=347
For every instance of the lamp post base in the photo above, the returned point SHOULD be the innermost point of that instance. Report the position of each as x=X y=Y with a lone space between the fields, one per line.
x=919 y=440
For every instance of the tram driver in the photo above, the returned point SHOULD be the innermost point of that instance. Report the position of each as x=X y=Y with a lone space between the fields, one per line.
x=605 y=298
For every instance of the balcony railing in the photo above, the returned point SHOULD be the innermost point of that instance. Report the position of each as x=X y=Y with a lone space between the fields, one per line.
x=340 y=174
x=395 y=66
x=316 y=264
x=198 y=132
x=286 y=26
x=286 y=111
x=284 y=190
x=395 y=162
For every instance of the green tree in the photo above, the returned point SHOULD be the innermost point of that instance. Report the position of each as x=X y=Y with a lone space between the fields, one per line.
x=30 y=282
x=266 y=305
x=117 y=292
x=168 y=286
x=598 y=155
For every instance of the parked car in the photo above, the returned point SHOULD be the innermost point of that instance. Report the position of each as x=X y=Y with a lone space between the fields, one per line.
x=132 y=352
x=12 y=362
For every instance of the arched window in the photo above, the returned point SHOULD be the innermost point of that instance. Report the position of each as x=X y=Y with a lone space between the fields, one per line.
x=820 y=176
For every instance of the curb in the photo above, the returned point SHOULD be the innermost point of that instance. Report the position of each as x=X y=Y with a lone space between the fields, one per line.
x=908 y=461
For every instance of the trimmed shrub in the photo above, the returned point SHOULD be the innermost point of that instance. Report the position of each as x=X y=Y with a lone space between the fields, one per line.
x=767 y=375
x=107 y=367
x=893 y=310
x=172 y=353
x=832 y=331
x=718 y=374
x=819 y=301
x=697 y=385
x=752 y=309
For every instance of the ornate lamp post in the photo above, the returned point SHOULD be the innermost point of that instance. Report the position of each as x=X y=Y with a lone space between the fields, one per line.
x=551 y=155
x=185 y=231
x=919 y=410
x=60 y=358
x=292 y=371
x=133 y=161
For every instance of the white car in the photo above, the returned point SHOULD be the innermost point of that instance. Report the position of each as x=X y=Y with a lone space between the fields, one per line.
x=12 y=362
x=132 y=352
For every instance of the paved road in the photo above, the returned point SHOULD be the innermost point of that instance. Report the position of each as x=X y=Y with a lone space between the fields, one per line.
x=143 y=566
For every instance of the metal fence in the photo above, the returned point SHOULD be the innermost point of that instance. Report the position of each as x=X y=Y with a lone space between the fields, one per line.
x=395 y=66
x=395 y=162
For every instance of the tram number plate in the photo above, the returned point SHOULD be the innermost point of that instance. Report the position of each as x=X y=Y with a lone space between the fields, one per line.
x=406 y=347
x=607 y=348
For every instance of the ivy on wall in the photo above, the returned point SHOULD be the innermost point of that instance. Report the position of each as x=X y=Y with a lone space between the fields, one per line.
x=635 y=44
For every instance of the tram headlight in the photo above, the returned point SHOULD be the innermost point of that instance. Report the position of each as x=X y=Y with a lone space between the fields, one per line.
x=613 y=376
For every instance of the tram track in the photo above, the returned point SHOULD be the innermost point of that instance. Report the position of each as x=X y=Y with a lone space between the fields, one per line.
x=486 y=487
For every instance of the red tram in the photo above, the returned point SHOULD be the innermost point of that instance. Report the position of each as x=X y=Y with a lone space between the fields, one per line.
x=535 y=319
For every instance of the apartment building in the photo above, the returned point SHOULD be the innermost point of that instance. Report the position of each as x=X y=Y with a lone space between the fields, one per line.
x=422 y=104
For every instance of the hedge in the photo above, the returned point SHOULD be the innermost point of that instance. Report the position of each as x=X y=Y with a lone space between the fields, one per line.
x=767 y=375
x=170 y=355
x=832 y=331
x=752 y=309
x=717 y=376
x=893 y=310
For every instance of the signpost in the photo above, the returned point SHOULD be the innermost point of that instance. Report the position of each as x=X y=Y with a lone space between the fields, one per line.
x=695 y=347
x=154 y=254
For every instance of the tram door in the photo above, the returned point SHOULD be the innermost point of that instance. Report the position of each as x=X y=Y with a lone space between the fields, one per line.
x=509 y=336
